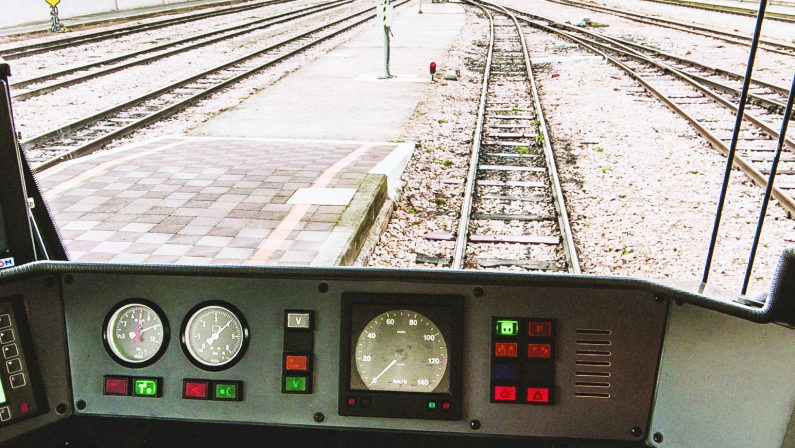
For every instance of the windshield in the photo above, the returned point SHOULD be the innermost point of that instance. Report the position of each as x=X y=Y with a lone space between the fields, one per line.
x=544 y=136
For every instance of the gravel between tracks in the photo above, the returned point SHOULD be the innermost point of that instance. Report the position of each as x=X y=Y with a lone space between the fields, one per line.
x=45 y=112
x=772 y=67
x=640 y=184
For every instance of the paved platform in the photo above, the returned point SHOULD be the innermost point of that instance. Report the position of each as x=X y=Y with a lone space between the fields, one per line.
x=339 y=96
x=181 y=200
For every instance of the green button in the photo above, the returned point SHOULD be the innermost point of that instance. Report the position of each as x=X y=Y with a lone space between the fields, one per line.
x=431 y=405
x=295 y=384
x=507 y=327
x=225 y=391
x=145 y=388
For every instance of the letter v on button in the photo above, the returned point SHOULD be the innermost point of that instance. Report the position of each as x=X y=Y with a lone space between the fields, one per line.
x=298 y=320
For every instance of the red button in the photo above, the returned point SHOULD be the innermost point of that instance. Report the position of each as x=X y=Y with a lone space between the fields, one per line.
x=351 y=402
x=195 y=389
x=539 y=329
x=504 y=393
x=506 y=349
x=117 y=386
x=446 y=406
x=23 y=408
x=539 y=351
x=538 y=394
x=296 y=362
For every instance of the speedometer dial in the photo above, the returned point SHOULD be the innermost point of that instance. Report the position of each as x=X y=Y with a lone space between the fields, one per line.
x=401 y=350
x=215 y=336
x=135 y=333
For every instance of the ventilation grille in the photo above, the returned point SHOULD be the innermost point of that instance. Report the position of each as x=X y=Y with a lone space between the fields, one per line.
x=594 y=360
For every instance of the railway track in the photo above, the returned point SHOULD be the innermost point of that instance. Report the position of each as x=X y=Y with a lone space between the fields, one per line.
x=512 y=202
x=19 y=51
x=711 y=111
x=91 y=133
x=737 y=10
x=116 y=63
x=725 y=36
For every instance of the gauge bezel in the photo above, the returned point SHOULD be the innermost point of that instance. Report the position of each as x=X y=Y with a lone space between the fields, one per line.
x=184 y=343
x=447 y=314
x=166 y=332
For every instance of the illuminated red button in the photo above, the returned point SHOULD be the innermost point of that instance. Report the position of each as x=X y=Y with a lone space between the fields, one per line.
x=196 y=390
x=504 y=393
x=538 y=394
x=23 y=408
x=539 y=351
x=296 y=362
x=116 y=386
x=506 y=349
x=539 y=329
x=446 y=406
x=351 y=402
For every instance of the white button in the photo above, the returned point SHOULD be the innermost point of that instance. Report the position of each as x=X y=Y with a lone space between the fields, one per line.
x=298 y=320
x=5 y=320
x=17 y=380
x=6 y=336
x=10 y=351
x=5 y=414
x=14 y=365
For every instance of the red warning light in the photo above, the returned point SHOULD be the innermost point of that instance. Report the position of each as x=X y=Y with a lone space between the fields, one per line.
x=23 y=408
x=538 y=394
x=433 y=68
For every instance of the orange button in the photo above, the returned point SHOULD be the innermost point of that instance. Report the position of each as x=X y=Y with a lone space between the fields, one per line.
x=504 y=393
x=506 y=349
x=538 y=394
x=296 y=362
x=539 y=329
x=539 y=351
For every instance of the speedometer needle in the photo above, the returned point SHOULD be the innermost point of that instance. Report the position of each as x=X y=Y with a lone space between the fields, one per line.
x=375 y=379
x=217 y=334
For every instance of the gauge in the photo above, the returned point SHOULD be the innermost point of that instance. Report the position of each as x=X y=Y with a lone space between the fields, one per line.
x=135 y=333
x=401 y=350
x=214 y=336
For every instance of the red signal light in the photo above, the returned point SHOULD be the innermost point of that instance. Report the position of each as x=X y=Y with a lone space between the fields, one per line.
x=433 y=68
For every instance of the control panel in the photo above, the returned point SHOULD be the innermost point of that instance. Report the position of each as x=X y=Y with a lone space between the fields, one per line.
x=435 y=352
x=19 y=388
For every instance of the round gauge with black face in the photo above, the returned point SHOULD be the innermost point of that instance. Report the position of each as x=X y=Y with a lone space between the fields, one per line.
x=135 y=333
x=403 y=351
x=214 y=336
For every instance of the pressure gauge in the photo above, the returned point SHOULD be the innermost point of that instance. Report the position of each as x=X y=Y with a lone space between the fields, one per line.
x=135 y=333
x=402 y=351
x=214 y=336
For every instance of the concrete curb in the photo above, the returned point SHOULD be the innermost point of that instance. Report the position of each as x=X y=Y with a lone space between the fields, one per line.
x=353 y=228
x=393 y=166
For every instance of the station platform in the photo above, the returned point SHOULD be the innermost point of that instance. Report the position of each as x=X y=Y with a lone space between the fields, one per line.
x=298 y=174
x=189 y=200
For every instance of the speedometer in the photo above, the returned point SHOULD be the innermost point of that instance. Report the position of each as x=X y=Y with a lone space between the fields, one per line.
x=135 y=333
x=401 y=350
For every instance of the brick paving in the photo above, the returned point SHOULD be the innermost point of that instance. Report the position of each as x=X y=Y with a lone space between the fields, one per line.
x=202 y=200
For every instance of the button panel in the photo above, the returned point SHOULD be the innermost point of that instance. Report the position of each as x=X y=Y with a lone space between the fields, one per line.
x=18 y=390
x=523 y=361
x=298 y=346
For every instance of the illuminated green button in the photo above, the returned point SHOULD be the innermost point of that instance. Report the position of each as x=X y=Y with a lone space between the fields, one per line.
x=227 y=391
x=507 y=327
x=295 y=384
x=145 y=387
x=431 y=405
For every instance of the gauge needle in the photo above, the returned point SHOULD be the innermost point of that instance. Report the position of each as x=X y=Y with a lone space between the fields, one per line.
x=149 y=328
x=217 y=334
x=394 y=361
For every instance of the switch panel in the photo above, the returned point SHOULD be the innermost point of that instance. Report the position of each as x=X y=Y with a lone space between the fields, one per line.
x=523 y=361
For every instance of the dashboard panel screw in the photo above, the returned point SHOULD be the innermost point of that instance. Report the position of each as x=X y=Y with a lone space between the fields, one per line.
x=636 y=431
x=80 y=404
x=60 y=408
x=478 y=292
x=319 y=417
x=474 y=424
x=323 y=287
x=657 y=437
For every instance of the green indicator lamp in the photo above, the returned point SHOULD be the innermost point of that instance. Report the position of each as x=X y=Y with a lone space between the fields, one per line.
x=431 y=405
x=507 y=327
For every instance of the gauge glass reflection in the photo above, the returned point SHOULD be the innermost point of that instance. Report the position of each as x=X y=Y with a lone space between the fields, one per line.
x=401 y=350
x=135 y=334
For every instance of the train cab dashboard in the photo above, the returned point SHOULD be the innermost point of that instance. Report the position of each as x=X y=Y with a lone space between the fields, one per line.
x=98 y=355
